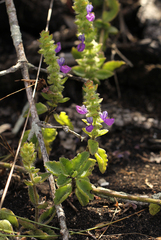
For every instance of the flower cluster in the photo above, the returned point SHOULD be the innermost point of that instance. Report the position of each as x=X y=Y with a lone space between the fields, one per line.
x=63 y=68
x=104 y=116
x=81 y=46
x=90 y=15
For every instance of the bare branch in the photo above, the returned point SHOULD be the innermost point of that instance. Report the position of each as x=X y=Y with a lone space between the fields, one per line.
x=17 y=41
x=104 y=192
x=11 y=69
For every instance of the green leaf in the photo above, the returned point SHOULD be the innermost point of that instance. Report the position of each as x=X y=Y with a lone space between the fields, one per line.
x=103 y=74
x=66 y=166
x=63 y=180
x=76 y=54
x=99 y=24
x=45 y=215
x=28 y=183
x=33 y=139
x=40 y=107
x=154 y=208
x=64 y=120
x=37 y=179
x=49 y=232
x=102 y=160
x=113 y=8
x=42 y=234
x=63 y=100
x=9 y=215
x=42 y=205
x=47 y=96
x=5 y=226
x=49 y=134
x=78 y=70
x=93 y=146
x=100 y=62
x=62 y=193
x=26 y=224
x=112 y=30
x=87 y=168
x=112 y=65
x=79 y=161
x=102 y=132
x=84 y=200
x=84 y=187
x=54 y=167
x=44 y=176
x=32 y=195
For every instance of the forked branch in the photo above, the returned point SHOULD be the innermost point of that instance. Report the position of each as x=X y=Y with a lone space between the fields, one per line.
x=17 y=41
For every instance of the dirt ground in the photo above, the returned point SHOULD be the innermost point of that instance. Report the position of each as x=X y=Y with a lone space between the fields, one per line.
x=133 y=145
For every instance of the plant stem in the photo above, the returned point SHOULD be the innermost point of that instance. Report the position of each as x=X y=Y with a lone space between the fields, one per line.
x=8 y=165
x=36 y=199
x=107 y=192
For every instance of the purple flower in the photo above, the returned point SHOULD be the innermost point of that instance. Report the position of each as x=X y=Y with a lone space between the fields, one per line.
x=104 y=117
x=90 y=127
x=58 y=47
x=81 y=109
x=81 y=37
x=90 y=17
x=60 y=61
x=89 y=8
x=81 y=46
x=45 y=90
x=90 y=119
x=65 y=68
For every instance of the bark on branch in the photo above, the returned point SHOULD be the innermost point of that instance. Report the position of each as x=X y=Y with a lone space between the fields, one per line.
x=17 y=41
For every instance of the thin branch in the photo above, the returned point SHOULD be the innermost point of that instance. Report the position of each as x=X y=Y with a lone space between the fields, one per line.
x=110 y=193
x=17 y=41
x=69 y=75
x=16 y=167
x=11 y=69
x=30 y=65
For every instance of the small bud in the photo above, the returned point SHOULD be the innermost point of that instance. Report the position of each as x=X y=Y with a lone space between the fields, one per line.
x=61 y=61
x=90 y=119
x=58 y=47
x=81 y=37
x=89 y=8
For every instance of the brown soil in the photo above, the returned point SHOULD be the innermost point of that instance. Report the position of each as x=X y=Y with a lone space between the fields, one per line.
x=132 y=173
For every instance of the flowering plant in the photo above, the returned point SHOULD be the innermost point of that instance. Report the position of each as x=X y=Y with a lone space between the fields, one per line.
x=88 y=54
x=72 y=175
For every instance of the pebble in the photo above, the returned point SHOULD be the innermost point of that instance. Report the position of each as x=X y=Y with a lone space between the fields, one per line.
x=102 y=182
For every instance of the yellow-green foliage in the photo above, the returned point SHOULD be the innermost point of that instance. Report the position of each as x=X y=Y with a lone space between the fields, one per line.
x=47 y=48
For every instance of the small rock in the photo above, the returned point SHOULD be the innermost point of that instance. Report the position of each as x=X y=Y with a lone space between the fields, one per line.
x=102 y=182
